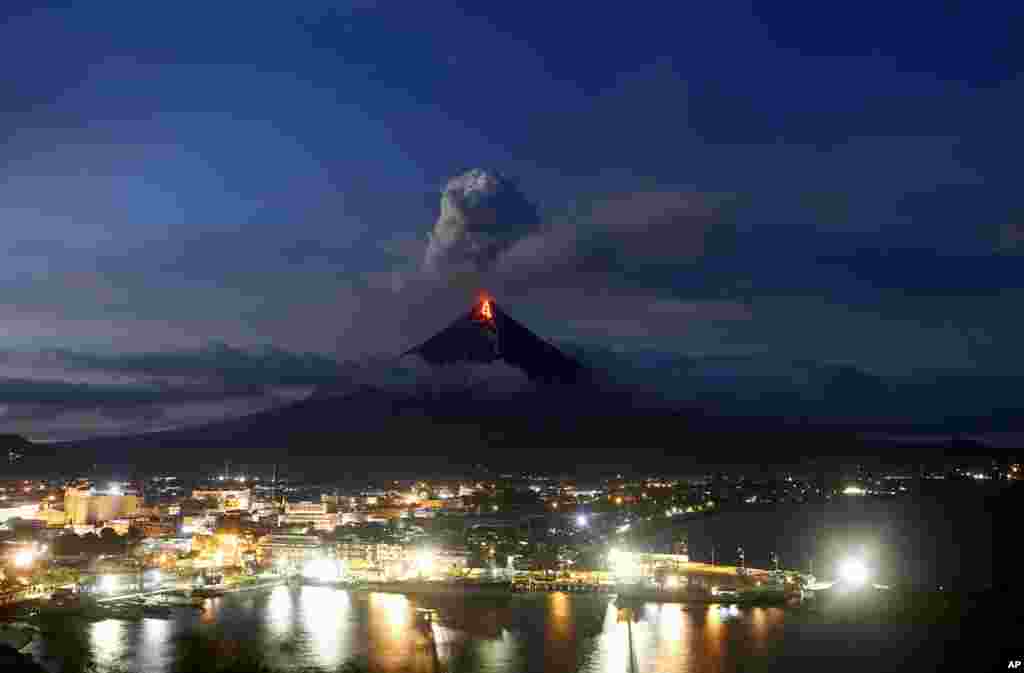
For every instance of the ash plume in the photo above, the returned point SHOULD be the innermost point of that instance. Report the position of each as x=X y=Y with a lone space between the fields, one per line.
x=483 y=213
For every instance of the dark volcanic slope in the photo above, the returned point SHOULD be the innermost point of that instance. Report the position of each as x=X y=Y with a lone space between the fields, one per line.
x=551 y=427
x=480 y=338
x=372 y=421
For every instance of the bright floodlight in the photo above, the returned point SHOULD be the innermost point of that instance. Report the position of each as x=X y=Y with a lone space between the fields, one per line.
x=624 y=564
x=321 y=569
x=24 y=558
x=426 y=561
x=114 y=489
x=108 y=584
x=581 y=520
x=854 y=572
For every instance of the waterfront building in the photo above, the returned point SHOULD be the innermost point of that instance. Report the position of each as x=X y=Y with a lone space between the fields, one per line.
x=290 y=548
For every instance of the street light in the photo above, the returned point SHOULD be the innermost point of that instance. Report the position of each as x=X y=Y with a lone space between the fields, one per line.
x=854 y=572
x=581 y=520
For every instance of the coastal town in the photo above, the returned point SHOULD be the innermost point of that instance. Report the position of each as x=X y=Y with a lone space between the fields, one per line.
x=162 y=533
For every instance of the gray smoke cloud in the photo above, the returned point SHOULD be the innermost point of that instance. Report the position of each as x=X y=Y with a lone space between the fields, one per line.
x=483 y=213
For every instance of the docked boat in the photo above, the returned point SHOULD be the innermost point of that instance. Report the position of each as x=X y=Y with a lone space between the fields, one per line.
x=17 y=634
x=125 y=611
x=182 y=601
x=441 y=589
x=768 y=593
x=156 y=611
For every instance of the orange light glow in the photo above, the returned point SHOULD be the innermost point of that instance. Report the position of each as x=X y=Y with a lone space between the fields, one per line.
x=486 y=312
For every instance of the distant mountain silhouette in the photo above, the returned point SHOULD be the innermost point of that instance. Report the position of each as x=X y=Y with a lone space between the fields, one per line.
x=487 y=334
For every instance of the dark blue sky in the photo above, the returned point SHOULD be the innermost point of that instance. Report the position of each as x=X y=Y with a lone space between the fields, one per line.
x=815 y=181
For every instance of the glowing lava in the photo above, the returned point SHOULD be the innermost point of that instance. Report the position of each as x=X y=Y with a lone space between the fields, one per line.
x=486 y=310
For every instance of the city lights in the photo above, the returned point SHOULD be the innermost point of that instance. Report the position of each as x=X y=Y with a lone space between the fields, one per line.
x=854 y=490
x=581 y=520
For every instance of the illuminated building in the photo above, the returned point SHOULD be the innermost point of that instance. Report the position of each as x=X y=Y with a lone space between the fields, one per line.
x=453 y=560
x=336 y=502
x=159 y=528
x=353 y=518
x=641 y=564
x=83 y=507
x=196 y=525
x=119 y=526
x=309 y=514
x=227 y=499
x=24 y=511
x=51 y=517
x=290 y=548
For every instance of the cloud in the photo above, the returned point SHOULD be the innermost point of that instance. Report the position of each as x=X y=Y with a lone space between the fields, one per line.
x=60 y=394
x=483 y=213
x=57 y=422
x=627 y=232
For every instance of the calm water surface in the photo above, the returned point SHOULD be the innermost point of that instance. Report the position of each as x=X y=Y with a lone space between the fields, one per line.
x=321 y=627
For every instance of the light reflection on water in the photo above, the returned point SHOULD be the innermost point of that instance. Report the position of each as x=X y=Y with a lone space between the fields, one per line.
x=105 y=638
x=279 y=608
x=322 y=628
x=155 y=644
x=560 y=631
x=672 y=641
x=390 y=638
x=326 y=616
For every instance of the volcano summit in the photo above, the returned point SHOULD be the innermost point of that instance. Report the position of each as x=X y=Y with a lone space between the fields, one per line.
x=486 y=334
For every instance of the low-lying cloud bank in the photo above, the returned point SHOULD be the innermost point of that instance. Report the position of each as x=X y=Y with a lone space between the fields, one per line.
x=58 y=394
x=78 y=395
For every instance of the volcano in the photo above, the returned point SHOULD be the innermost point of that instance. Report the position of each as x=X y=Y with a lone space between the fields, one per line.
x=486 y=334
x=378 y=413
